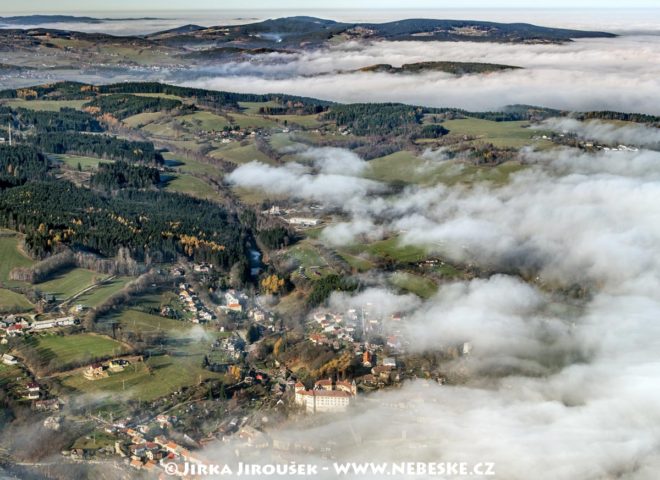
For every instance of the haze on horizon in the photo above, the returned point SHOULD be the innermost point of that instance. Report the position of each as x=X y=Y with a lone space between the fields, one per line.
x=71 y=6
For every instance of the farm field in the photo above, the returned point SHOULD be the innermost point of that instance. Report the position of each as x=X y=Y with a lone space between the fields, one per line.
x=190 y=165
x=206 y=121
x=11 y=255
x=10 y=300
x=250 y=121
x=241 y=154
x=403 y=166
x=99 y=295
x=420 y=286
x=45 y=105
x=305 y=121
x=500 y=134
x=60 y=352
x=389 y=249
x=190 y=185
x=253 y=107
x=155 y=377
x=142 y=119
x=66 y=284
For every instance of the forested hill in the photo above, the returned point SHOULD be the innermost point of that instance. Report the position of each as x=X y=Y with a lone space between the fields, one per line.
x=294 y=31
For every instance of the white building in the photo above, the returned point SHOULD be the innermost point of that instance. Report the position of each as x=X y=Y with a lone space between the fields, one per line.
x=326 y=396
x=304 y=221
x=53 y=323
x=9 y=359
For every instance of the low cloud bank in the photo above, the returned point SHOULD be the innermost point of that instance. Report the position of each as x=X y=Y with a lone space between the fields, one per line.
x=553 y=388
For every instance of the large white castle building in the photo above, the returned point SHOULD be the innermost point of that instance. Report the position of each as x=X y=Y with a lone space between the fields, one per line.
x=326 y=396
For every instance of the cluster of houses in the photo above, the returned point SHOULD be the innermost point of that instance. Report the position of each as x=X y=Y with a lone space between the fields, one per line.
x=191 y=304
x=15 y=325
x=97 y=371
x=233 y=346
x=150 y=455
x=29 y=390
x=335 y=327
x=297 y=221
x=226 y=136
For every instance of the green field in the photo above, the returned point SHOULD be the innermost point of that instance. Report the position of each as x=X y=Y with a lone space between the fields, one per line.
x=165 y=130
x=420 y=286
x=452 y=173
x=305 y=121
x=389 y=249
x=11 y=256
x=358 y=263
x=192 y=186
x=45 y=105
x=206 y=121
x=86 y=163
x=500 y=134
x=250 y=121
x=403 y=166
x=253 y=107
x=59 y=352
x=99 y=295
x=241 y=154
x=158 y=375
x=13 y=301
x=190 y=165
x=142 y=119
x=66 y=284
x=148 y=380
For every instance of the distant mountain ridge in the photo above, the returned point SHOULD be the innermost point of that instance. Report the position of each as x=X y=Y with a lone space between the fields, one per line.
x=45 y=19
x=306 y=30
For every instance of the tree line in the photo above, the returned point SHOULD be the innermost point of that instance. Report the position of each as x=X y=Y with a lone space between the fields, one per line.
x=150 y=224
x=113 y=176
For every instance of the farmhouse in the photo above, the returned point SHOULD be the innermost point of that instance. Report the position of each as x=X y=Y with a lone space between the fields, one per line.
x=95 y=372
x=52 y=323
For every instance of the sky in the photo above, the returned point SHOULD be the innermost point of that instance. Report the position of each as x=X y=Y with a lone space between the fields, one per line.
x=76 y=6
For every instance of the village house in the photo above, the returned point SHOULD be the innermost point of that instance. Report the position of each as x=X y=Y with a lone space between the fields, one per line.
x=50 y=405
x=117 y=365
x=95 y=372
